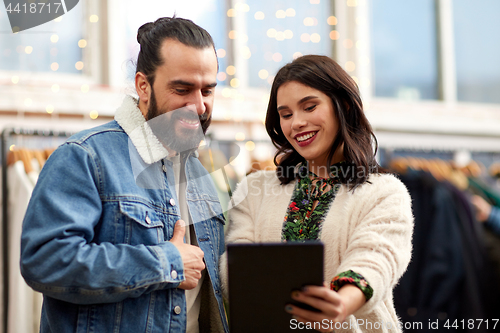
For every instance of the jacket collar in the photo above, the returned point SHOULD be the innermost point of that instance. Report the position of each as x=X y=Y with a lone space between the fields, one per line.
x=131 y=119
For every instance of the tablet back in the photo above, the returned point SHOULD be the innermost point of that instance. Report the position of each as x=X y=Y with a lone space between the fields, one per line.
x=261 y=278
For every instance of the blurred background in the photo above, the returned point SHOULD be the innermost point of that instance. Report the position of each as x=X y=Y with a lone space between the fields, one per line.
x=429 y=76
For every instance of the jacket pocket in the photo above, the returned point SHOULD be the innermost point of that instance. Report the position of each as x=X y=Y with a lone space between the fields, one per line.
x=142 y=224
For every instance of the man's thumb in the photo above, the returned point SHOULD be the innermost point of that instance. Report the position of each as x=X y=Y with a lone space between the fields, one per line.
x=179 y=231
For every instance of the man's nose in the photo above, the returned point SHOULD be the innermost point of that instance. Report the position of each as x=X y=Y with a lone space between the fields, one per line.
x=197 y=101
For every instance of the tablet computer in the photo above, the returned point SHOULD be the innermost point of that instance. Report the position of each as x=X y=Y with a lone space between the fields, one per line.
x=261 y=278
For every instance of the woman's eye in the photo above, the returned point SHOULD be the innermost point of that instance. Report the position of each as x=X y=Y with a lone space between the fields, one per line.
x=311 y=108
x=285 y=116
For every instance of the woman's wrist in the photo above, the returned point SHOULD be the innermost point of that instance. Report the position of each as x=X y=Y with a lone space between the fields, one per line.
x=352 y=298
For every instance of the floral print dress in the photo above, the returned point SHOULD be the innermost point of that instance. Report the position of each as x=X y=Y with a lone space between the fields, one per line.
x=311 y=200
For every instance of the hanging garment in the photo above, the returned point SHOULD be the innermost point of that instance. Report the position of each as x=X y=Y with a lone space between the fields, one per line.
x=24 y=307
x=441 y=282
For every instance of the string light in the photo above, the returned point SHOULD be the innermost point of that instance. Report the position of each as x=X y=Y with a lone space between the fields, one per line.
x=277 y=57
x=280 y=14
x=348 y=43
x=246 y=54
x=221 y=53
x=350 y=66
x=332 y=20
x=55 y=87
x=85 y=88
x=263 y=74
x=235 y=83
x=240 y=136
x=79 y=65
x=243 y=7
x=297 y=55
x=232 y=34
x=290 y=12
x=28 y=49
x=49 y=109
x=231 y=13
x=221 y=76
x=250 y=145
x=288 y=34
x=28 y=102
x=231 y=70
x=305 y=37
x=15 y=79
x=54 y=66
x=259 y=16
x=308 y=22
x=54 y=38
x=334 y=35
x=271 y=33
x=93 y=18
x=82 y=43
x=315 y=38
x=94 y=114
x=226 y=92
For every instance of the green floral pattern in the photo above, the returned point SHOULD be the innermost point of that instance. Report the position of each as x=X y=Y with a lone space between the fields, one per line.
x=350 y=277
x=303 y=221
x=311 y=200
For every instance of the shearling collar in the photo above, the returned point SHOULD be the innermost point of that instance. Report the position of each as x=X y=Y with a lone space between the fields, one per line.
x=131 y=119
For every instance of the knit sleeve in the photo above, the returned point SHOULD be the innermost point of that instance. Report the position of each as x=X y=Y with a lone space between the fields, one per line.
x=350 y=277
x=379 y=247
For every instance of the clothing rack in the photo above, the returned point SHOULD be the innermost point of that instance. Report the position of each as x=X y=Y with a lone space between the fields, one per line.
x=8 y=134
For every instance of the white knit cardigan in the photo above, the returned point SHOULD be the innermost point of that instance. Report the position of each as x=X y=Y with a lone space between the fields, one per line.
x=368 y=231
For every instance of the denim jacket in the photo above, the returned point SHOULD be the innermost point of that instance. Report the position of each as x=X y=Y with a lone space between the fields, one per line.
x=95 y=235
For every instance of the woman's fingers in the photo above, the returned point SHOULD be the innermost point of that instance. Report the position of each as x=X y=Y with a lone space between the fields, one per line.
x=328 y=302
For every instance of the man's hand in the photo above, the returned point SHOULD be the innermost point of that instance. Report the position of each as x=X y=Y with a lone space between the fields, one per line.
x=192 y=257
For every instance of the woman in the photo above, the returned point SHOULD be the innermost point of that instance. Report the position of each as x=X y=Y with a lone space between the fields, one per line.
x=328 y=187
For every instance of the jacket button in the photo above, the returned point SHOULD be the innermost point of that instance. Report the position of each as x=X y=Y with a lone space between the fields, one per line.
x=148 y=220
x=173 y=274
x=172 y=201
x=164 y=168
x=177 y=309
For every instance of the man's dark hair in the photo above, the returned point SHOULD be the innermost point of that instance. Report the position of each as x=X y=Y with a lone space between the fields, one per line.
x=354 y=133
x=151 y=36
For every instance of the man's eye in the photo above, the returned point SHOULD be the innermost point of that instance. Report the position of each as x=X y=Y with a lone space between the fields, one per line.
x=207 y=92
x=181 y=91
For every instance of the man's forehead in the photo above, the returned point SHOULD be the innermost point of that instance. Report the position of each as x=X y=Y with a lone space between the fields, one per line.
x=174 y=51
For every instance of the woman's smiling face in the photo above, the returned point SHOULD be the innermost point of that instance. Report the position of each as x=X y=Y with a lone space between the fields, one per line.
x=308 y=122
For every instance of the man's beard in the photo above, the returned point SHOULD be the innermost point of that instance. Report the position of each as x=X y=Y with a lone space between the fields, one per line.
x=163 y=124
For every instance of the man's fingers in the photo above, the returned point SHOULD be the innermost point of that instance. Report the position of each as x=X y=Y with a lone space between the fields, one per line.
x=179 y=232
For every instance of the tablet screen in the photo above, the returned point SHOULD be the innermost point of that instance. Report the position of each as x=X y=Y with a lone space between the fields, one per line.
x=261 y=278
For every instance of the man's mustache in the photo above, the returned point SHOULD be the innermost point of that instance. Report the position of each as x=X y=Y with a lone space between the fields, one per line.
x=188 y=115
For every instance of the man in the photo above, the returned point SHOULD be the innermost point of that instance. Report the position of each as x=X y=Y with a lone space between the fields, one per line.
x=103 y=238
